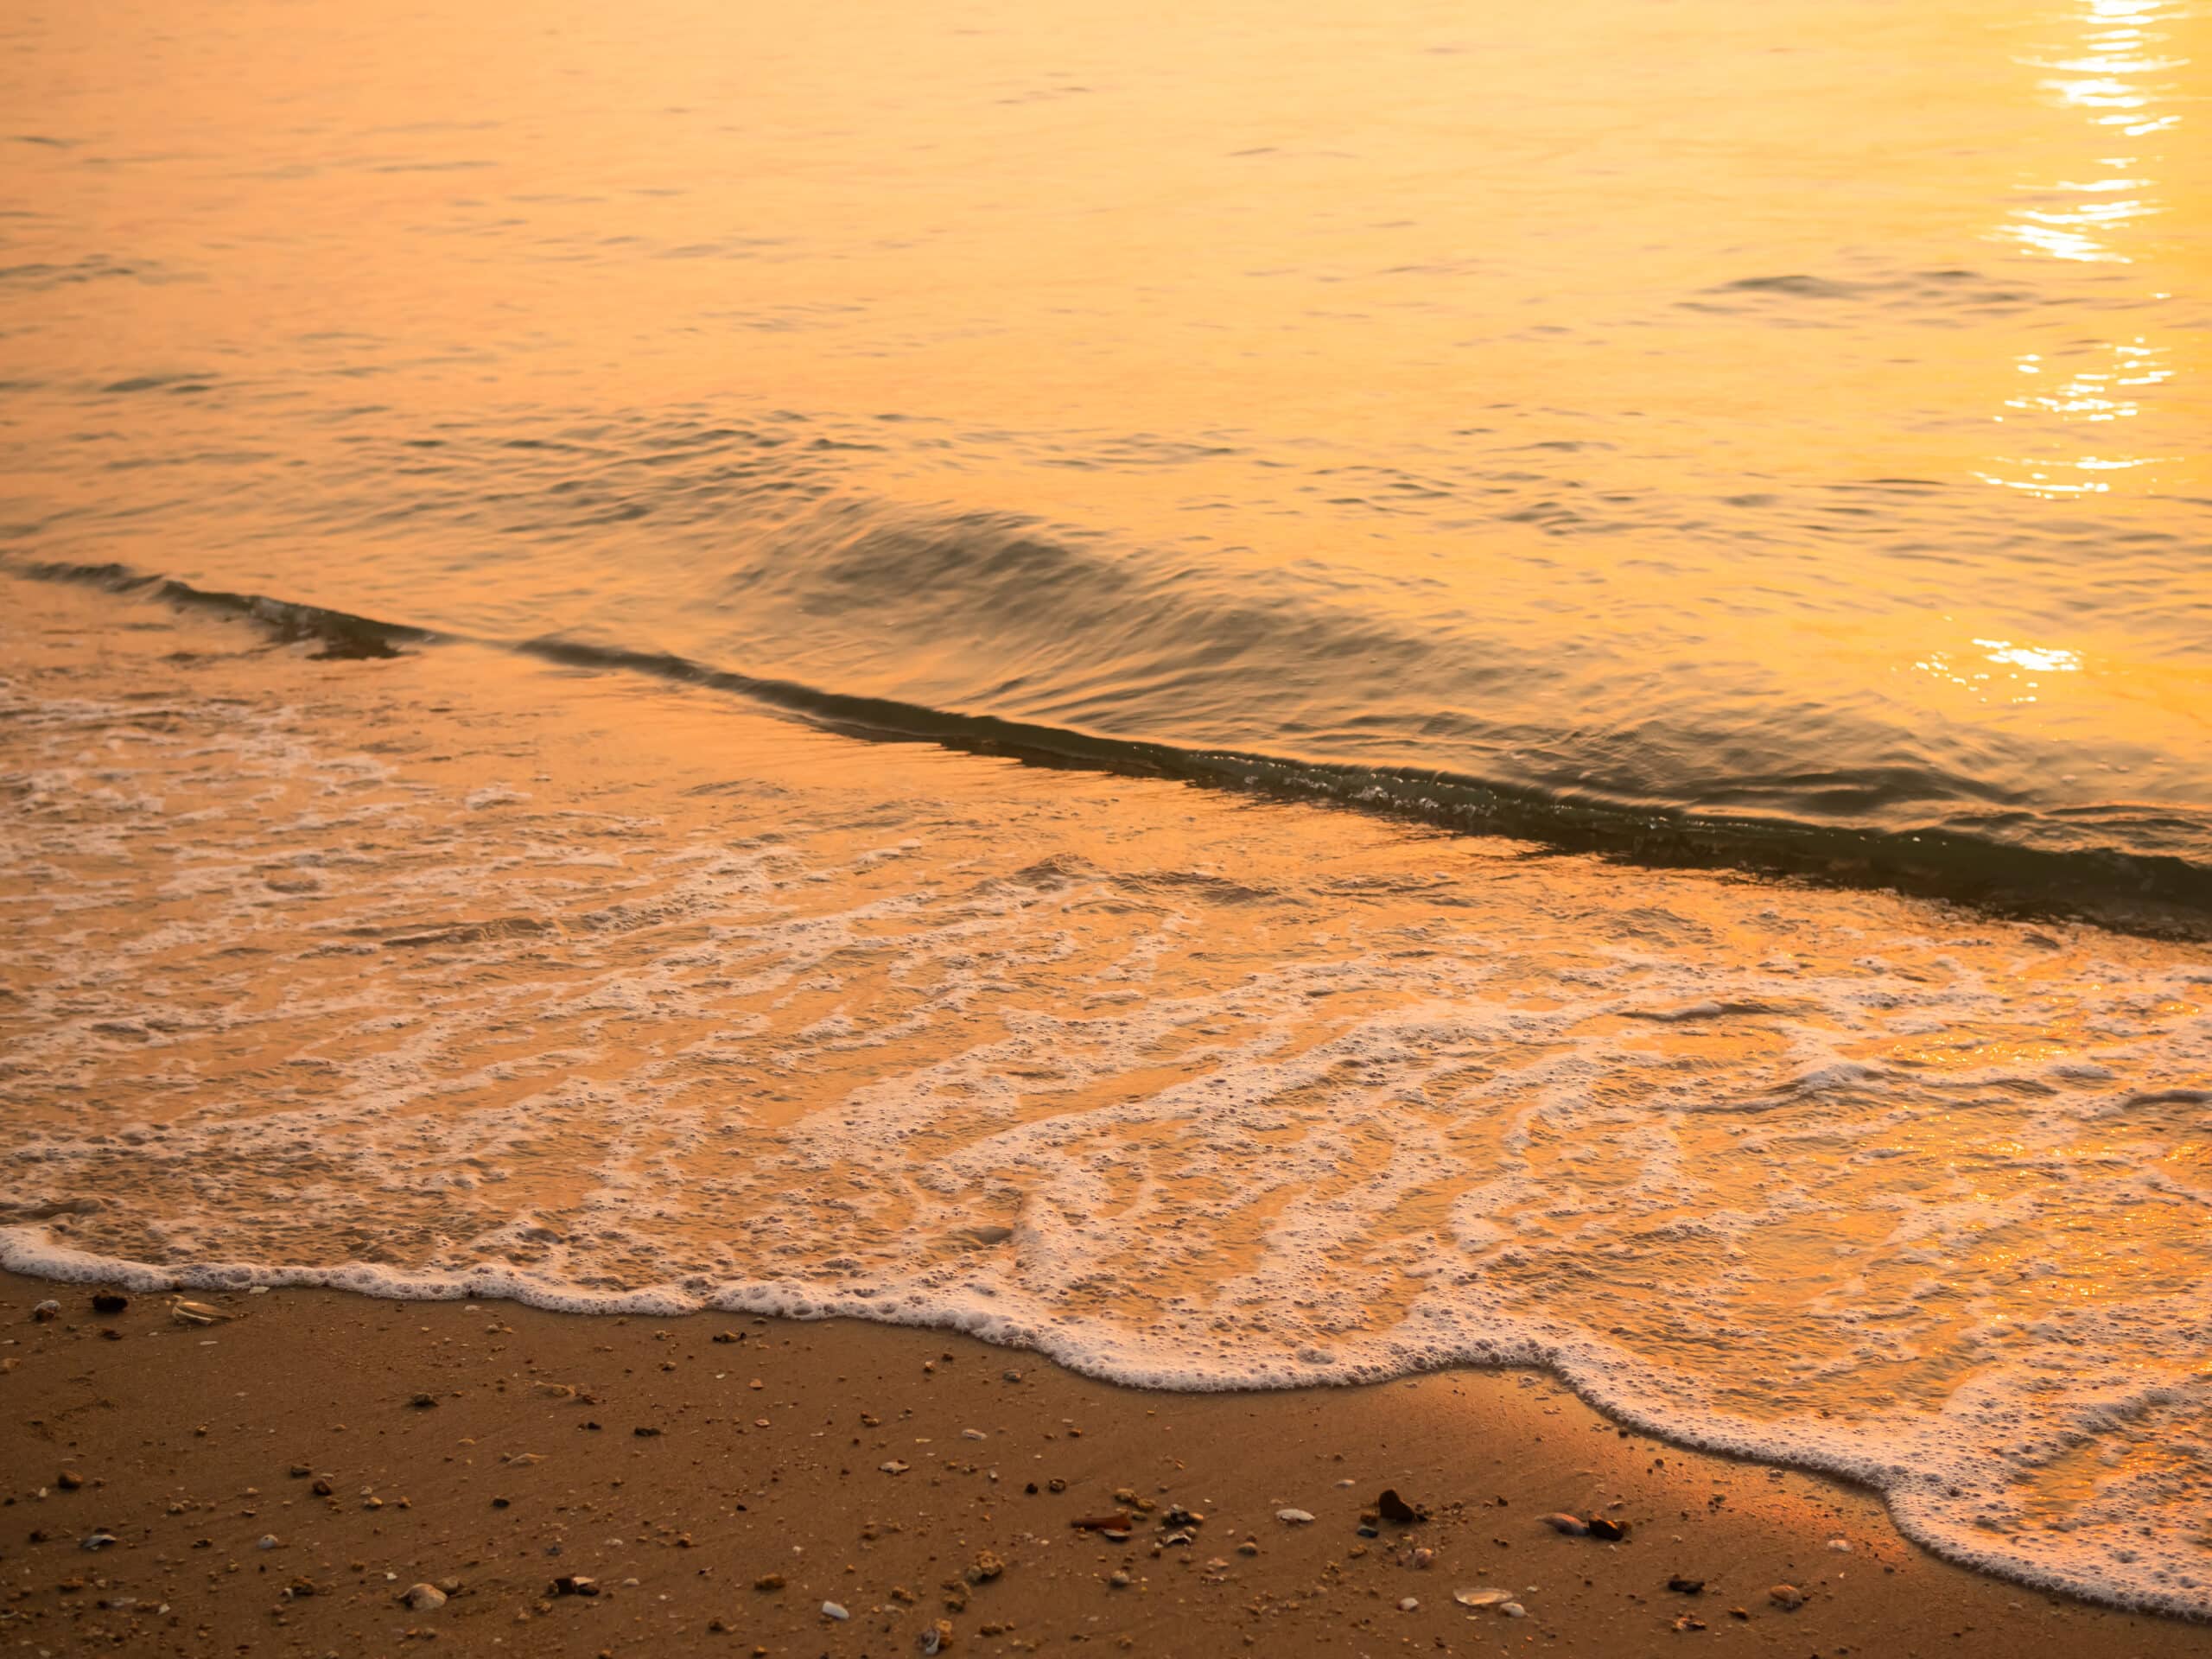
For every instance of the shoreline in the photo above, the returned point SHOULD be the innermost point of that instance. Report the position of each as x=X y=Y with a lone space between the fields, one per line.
x=236 y=1285
x=681 y=1462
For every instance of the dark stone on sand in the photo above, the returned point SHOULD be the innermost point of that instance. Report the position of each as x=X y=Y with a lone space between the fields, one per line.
x=499 y=1502
x=321 y=1489
x=1117 y=1522
x=569 y=1586
x=1396 y=1510
x=423 y=1401
x=1611 y=1530
x=645 y=1433
x=68 y=1480
x=110 y=1301
x=1683 y=1586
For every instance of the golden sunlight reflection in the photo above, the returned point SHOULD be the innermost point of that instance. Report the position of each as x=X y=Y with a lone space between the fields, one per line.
x=2102 y=211
x=2115 y=75
x=2000 y=669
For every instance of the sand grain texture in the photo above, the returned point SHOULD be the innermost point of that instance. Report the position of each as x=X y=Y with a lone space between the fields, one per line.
x=679 y=1486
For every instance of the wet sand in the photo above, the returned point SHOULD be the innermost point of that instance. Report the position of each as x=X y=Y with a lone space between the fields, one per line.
x=720 y=1478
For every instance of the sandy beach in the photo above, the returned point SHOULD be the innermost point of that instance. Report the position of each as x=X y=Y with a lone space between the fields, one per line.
x=276 y=1482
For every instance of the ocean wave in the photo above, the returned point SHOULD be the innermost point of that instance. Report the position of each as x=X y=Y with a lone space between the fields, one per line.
x=2103 y=872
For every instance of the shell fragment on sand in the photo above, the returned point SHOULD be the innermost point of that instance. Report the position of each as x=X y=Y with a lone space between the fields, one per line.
x=1472 y=1598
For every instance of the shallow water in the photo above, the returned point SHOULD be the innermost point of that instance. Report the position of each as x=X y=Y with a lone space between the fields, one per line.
x=1696 y=433
x=1628 y=412
x=451 y=975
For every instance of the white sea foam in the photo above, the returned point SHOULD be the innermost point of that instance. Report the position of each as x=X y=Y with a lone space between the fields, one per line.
x=1848 y=1183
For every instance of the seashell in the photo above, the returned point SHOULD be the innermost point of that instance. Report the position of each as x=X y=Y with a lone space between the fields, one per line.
x=1788 y=1596
x=831 y=1609
x=1514 y=1610
x=1563 y=1522
x=1481 y=1598
x=893 y=1467
x=1293 y=1517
